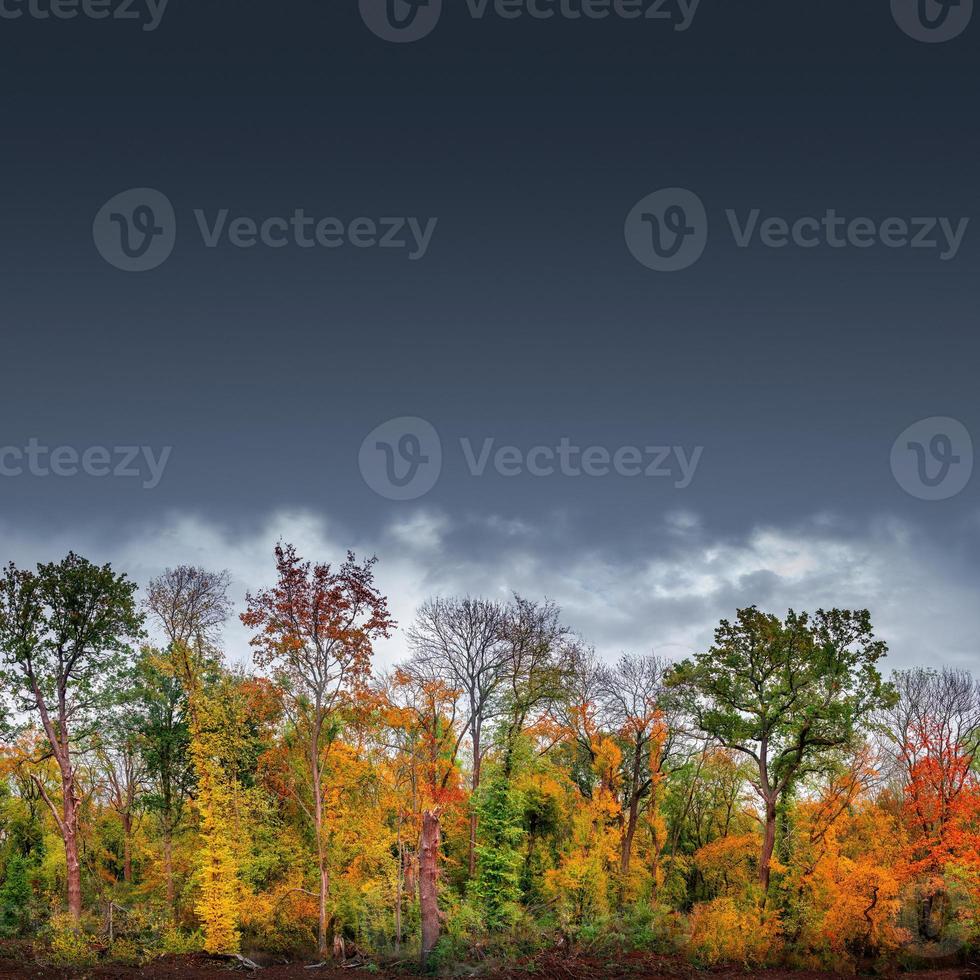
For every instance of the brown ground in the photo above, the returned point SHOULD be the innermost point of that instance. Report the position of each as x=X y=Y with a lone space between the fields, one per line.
x=629 y=966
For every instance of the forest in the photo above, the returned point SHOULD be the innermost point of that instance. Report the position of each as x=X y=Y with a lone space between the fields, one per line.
x=781 y=799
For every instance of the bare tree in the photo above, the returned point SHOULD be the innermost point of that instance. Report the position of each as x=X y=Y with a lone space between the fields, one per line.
x=945 y=703
x=461 y=641
x=636 y=703
x=190 y=605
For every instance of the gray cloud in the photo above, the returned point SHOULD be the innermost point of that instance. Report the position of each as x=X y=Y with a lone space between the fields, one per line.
x=669 y=599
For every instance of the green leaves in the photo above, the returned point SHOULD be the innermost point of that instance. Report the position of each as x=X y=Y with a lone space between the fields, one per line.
x=65 y=634
x=785 y=691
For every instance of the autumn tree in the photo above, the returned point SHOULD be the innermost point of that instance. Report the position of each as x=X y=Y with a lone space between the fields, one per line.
x=189 y=605
x=534 y=641
x=942 y=813
x=123 y=771
x=636 y=703
x=163 y=740
x=534 y=667
x=461 y=641
x=422 y=709
x=943 y=705
x=315 y=630
x=784 y=694
x=65 y=635
x=580 y=884
x=705 y=799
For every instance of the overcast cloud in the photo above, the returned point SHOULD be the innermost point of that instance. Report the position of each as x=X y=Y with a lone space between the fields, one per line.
x=921 y=601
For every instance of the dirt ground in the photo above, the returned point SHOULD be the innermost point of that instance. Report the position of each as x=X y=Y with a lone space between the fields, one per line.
x=631 y=966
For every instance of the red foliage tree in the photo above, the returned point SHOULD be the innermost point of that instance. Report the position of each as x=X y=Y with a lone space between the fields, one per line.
x=315 y=630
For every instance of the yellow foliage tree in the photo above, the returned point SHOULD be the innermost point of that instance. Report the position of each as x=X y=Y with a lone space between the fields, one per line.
x=580 y=883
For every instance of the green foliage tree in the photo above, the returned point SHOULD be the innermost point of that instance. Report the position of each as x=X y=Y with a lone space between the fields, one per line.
x=164 y=742
x=785 y=694
x=65 y=633
x=500 y=852
x=16 y=896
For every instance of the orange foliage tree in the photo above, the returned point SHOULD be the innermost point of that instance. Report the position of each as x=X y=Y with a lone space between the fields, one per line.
x=315 y=630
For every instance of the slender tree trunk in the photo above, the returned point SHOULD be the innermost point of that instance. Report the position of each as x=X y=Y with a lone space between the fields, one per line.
x=634 y=809
x=399 y=887
x=324 y=892
x=127 y=826
x=168 y=867
x=768 y=844
x=429 y=881
x=628 y=832
x=321 y=930
x=411 y=875
x=476 y=786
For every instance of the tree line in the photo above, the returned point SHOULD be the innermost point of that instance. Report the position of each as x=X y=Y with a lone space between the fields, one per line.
x=773 y=798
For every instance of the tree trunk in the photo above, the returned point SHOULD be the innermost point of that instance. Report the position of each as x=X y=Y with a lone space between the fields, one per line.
x=768 y=844
x=168 y=868
x=127 y=825
x=74 y=871
x=398 y=894
x=69 y=831
x=429 y=881
x=476 y=786
x=321 y=928
x=628 y=832
x=411 y=875
x=324 y=892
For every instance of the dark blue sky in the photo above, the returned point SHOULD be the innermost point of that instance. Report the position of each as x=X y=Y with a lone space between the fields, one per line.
x=526 y=321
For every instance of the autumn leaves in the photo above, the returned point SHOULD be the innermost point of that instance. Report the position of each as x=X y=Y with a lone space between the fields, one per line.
x=772 y=799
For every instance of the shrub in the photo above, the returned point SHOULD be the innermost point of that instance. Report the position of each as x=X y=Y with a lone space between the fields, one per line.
x=68 y=946
x=175 y=942
x=126 y=952
x=16 y=898
x=723 y=932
